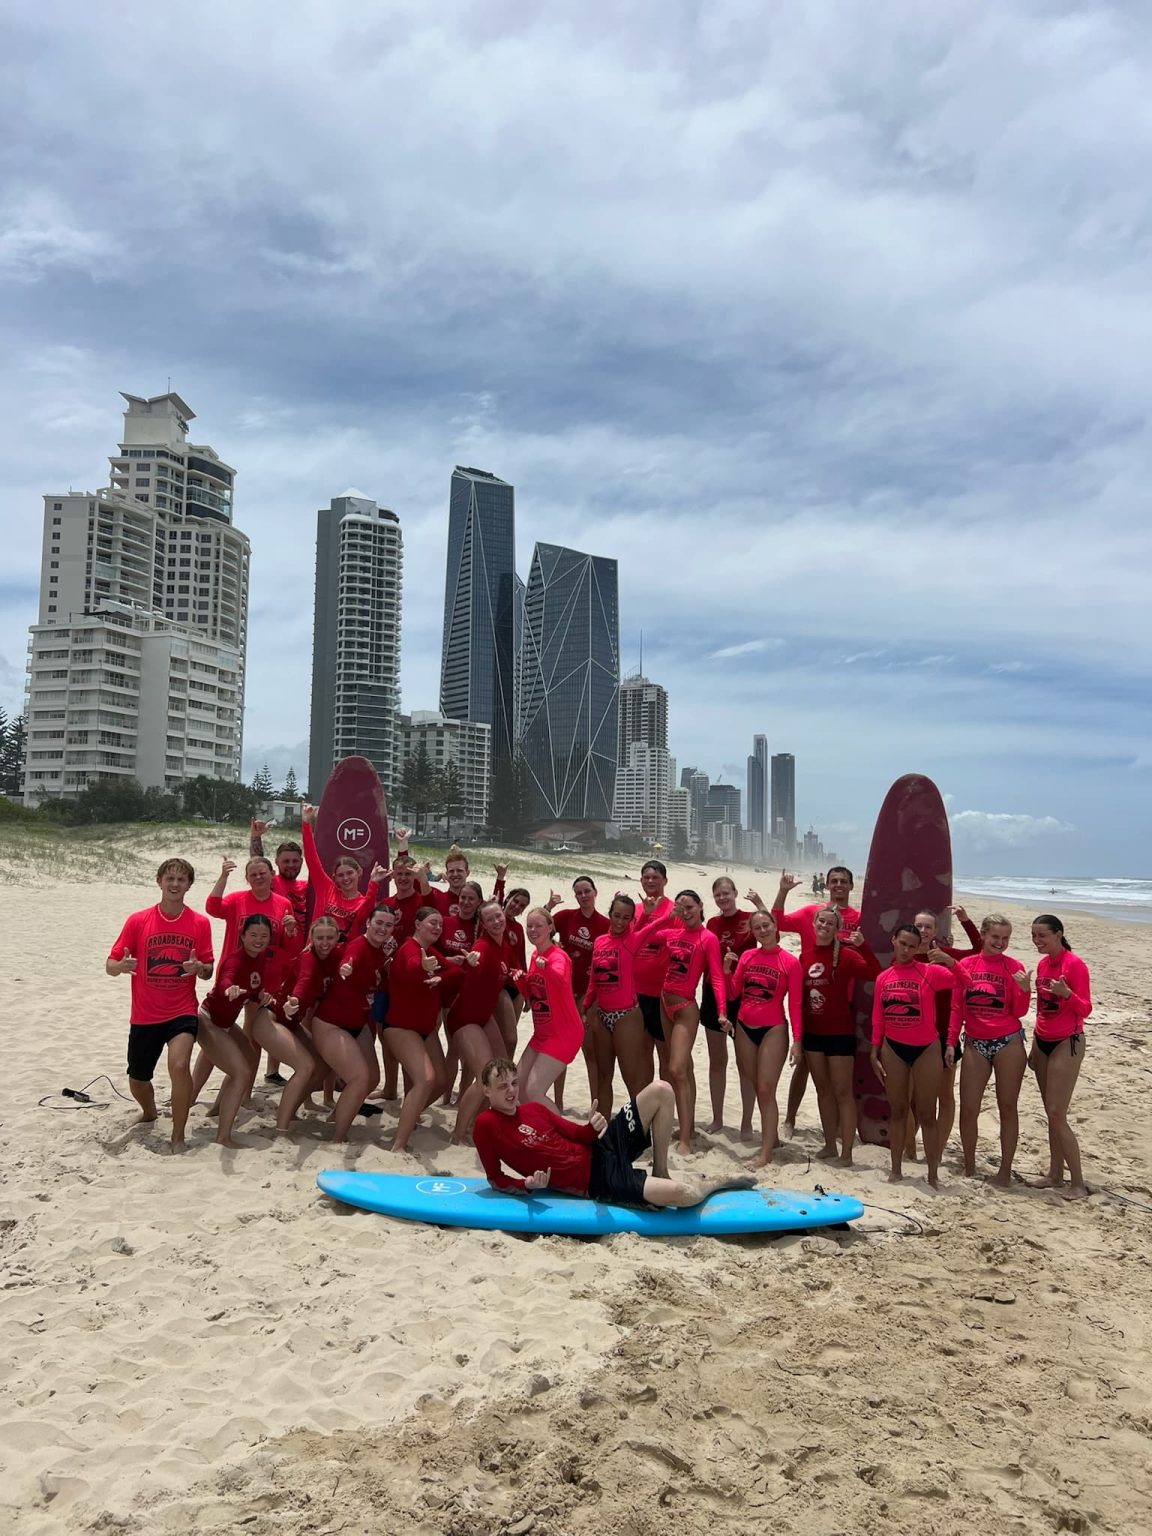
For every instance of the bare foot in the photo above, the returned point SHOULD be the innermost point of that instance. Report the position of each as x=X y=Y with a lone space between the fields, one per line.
x=845 y=1161
x=1000 y=1180
x=145 y=1119
x=716 y=1127
x=933 y=1181
x=180 y=1145
x=685 y=1148
x=826 y=1154
x=895 y=1178
x=226 y=1141
x=789 y=1129
x=1076 y=1192
x=1047 y=1182
x=761 y=1161
x=747 y=1135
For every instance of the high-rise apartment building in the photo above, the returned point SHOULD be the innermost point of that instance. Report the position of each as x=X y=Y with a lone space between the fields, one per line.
x=784 y=801
x=465 y=744
x=569 y=683
x=144 y=571
x=356 y=638
x=642 y=788
x=478 y=661
x=758 y=785
x=643 y=716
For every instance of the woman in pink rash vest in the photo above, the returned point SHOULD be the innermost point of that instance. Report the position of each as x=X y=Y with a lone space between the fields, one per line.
x=767 y=977
x=611 y=1007
x=906 y=1048
x=992 y=994
x=1063 y=1002
x=932 y=939
x=558 y=1029
x=685 y=951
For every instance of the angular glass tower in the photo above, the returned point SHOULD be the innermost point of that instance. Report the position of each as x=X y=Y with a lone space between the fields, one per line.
x=477 y=667
x=570 y=683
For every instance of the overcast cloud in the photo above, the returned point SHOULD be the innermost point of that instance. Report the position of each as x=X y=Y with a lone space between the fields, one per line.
x=831 y=323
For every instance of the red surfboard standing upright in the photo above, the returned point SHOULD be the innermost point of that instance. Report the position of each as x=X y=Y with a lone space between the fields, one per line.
x=352 y=817
x=909 y=871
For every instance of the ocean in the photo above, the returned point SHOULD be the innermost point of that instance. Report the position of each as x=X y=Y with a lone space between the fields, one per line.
x=1129 y=900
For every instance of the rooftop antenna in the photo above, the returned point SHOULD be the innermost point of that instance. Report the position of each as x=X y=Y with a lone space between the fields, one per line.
x=169 y=383
x=641 y=653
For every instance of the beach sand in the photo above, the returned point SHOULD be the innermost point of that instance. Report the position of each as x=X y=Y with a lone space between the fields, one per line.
x=206 y=1344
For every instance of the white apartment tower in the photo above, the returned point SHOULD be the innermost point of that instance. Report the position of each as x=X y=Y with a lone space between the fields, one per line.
x=642 y=789
x=356 y=639
x=137 y=659
x=643 y=716
x=467 y=744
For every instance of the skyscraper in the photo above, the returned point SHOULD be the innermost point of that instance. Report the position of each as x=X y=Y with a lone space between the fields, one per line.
x=758 y=787
x=569 y=683
x=643 y=716
x=356 y=638
x=478 y=661
x=137 y=664
x=784 y=801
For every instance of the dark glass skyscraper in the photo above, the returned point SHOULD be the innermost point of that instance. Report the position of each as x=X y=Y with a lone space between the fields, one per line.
x=477 y=668
x=758 y=784
x=784 y=801
x=569 y=684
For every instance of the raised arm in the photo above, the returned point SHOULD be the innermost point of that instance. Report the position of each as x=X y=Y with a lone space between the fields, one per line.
x=214 y=901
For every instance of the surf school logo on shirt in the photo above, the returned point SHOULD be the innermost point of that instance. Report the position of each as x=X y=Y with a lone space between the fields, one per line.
x=901 y=1000
x=165 y=956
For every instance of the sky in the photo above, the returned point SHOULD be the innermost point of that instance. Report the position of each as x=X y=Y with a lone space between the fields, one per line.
x=831 y=323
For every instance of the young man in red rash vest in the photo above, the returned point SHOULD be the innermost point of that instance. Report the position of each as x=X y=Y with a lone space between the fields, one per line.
x=594 y=1159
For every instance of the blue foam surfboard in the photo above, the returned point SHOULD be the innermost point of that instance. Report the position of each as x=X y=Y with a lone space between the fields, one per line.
x=450 y=1202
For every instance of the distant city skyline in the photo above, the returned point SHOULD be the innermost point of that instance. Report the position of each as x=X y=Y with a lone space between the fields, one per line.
x=866 y=495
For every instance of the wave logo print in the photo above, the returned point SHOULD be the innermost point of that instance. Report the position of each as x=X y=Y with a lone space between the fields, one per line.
x=441 y=1187
x=353 y=833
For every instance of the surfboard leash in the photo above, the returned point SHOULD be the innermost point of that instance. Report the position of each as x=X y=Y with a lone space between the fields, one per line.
x=81 y=1099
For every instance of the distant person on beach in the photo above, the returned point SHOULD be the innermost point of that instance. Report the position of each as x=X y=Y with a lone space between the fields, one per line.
x=992 y=994
x=905 y=1046
x=1063 y=1002
x=164 y=949
x=595 y=1159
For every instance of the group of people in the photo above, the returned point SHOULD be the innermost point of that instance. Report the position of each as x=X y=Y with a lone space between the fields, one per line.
x=349 y=990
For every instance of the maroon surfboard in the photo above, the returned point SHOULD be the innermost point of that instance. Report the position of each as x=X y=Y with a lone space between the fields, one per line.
x=352 y=817
x=909 y=871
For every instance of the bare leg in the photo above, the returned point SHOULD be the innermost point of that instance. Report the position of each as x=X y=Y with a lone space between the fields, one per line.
x=926 y=1073
x=558 y=1089
x=841 y=1069
x=180 y=1073
x=201 y=1072
x=818 y=1066
x=975 y=1071
x=451 y=1068
x=897 y=1080
x=747 y=1096
x=632 y=1047
x=1009 y=1067
x=588 y=1048
x=796 y=1090
x=343 y=1052
x=680 y=1031
x=717 y=1076
x=290 y=1048
x=1063 y=1070
x=474 y=1049
x=605 y=1051
x=947 y=1116
x=657 y=1103
x=233 y=1054
x=770 y=1058
x=423 y=1062
x=537 y=1073
x=506 y=1016
x=145 y=1096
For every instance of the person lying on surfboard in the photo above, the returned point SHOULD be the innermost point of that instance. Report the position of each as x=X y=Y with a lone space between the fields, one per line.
x=594 y=1160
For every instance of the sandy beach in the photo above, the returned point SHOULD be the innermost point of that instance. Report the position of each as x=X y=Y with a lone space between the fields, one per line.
x=207 y=1344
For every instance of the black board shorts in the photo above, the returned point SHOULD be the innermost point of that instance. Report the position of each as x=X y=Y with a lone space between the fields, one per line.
x=612 y=1178
x=652 y=1015
x=147 y=1043
x=710 y=1014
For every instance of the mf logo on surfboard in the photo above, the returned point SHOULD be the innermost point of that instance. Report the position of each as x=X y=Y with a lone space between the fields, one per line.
x=441 y=1187
x=353 y=832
